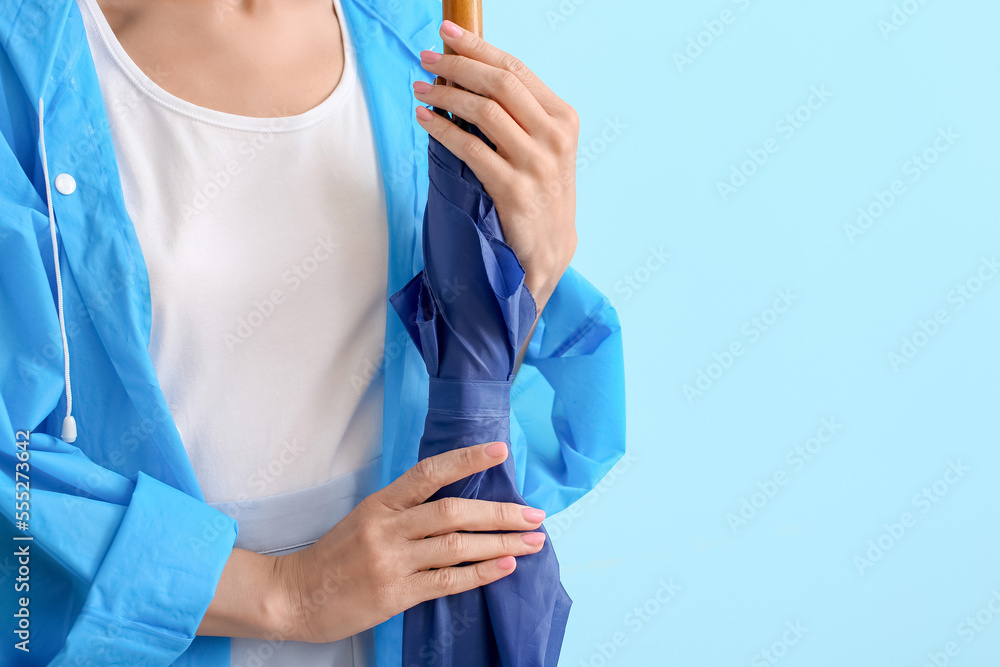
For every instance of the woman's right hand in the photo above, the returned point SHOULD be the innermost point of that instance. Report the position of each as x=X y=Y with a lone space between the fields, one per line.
x=394 y=551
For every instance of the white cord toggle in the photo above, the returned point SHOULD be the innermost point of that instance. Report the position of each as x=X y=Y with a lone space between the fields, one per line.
x=69 y=428
x=69 y=423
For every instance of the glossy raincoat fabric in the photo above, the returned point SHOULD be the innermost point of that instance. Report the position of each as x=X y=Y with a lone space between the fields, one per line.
x=469 y=312
x=126 y=554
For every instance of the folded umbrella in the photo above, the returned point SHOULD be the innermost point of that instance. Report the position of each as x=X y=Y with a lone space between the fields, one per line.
x=469 y=313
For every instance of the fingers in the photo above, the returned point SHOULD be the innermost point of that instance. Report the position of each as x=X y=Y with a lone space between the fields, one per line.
x=455 y=548
x=451 y=580
x=421 y=481
x=467 y=44
x=450 y=514
x=485 y=163
x=497 y=84
x=487 y=114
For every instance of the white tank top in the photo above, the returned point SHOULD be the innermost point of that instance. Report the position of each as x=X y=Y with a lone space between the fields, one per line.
x=266 y=243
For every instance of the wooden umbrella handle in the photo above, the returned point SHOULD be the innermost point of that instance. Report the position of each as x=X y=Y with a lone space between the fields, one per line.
x=466 y=13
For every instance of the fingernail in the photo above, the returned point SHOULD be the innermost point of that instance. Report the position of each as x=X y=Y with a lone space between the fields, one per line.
x=430 y=57
x=451 y=29
x=533 y=539
x=497 y=449
x=533 y=515
x=421 y=87
x=506 y=563
x=423 y=113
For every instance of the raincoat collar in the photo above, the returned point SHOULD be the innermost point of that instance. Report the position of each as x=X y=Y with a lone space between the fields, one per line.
x=43 y=44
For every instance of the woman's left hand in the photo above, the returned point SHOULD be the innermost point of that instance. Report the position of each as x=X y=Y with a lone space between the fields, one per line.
x=532 y=175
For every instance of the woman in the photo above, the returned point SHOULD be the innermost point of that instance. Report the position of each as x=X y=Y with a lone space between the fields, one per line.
x=232 y=358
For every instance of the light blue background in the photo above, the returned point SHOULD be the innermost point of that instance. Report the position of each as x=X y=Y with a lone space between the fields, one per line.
x=663 y=515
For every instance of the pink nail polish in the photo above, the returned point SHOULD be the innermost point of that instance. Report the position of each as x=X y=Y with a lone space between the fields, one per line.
x=451 y=29
x=497 y=449
x=533 y=539
x=430 y=57
x=421 y=87
x=423 y=113
x=532 y=515
x=506 y=563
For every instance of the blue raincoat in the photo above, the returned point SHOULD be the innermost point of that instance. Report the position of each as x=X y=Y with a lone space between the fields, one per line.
x=124 y=552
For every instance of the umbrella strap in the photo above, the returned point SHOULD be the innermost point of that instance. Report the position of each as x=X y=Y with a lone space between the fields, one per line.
x=487 y=398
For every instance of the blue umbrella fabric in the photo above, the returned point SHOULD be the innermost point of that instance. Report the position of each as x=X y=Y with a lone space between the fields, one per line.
x=469 y=312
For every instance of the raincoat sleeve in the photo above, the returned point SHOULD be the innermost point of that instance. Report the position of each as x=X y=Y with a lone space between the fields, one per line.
x=119 y=570
x=568 y=398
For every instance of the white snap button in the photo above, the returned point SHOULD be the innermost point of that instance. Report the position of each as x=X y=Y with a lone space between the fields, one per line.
x=65 y=184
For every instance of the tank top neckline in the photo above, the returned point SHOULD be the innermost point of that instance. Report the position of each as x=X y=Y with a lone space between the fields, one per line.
x=152 y=90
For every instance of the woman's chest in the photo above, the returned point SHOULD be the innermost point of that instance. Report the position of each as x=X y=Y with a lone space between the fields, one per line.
x=264 y=60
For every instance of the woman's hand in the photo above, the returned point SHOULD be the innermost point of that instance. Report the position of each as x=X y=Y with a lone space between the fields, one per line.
x=380 y=559
x=532 y=174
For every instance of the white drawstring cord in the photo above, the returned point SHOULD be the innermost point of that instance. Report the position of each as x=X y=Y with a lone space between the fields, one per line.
x=69 y=423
